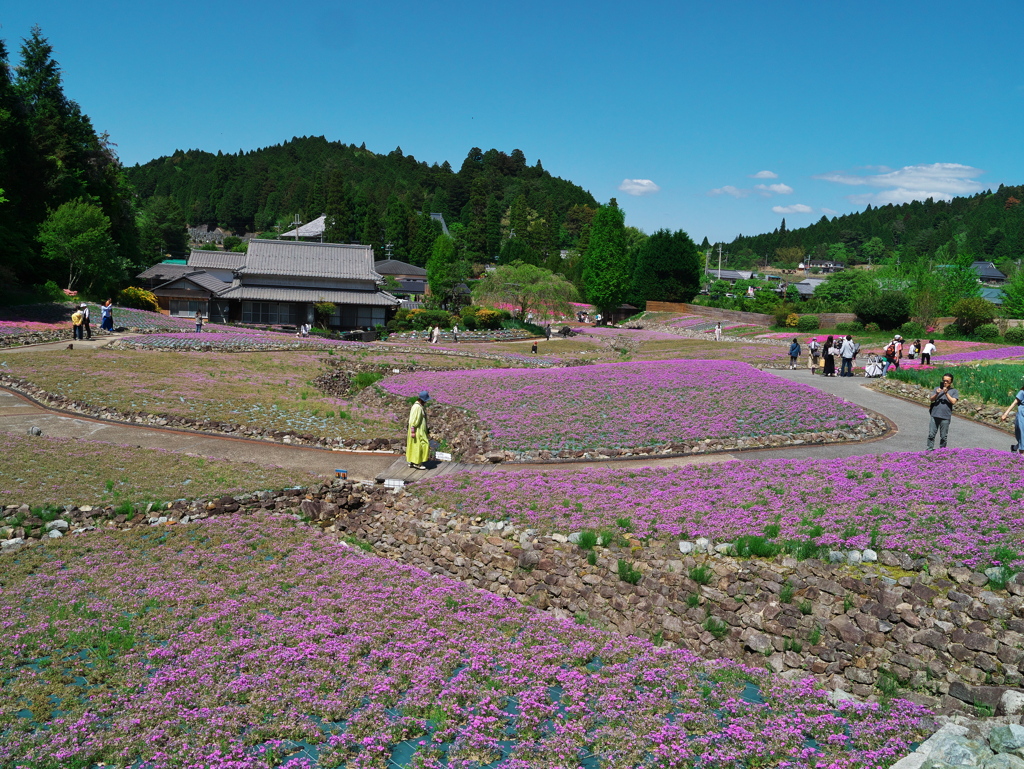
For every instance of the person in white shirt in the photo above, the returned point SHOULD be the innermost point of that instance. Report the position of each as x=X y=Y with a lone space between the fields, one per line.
x=926 y=353
x=847 y=351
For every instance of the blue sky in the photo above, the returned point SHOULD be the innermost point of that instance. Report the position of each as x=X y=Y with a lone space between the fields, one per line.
x=719 y=118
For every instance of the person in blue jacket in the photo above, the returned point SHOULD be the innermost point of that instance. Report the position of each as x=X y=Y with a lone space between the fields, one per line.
x=1018 y=425
x=794 y=353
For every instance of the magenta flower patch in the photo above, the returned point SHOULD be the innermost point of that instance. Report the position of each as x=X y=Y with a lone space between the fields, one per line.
x=623 y=405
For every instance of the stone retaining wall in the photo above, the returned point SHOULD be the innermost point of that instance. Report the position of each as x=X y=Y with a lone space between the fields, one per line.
x=950 y=643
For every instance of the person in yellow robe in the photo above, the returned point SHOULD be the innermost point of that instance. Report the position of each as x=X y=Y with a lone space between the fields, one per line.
x=417 y=445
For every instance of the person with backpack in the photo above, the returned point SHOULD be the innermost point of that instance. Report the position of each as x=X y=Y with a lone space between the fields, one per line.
x=890 y=356
x=1018 y=425
x=813 y=353
x=794 y=353
x=940 y=411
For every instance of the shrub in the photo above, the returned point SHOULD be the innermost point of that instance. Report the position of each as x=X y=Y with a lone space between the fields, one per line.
x=987 y=331
x=850 y=327
x=889 y=309
x=808 y=323
x=138 y=299
x=489 y=319
x=792 y=320
x=51 y=292
x=912 y=330
x=323 y=312
x=702 y=575
x=468 y=315
x=421 y=320
x=971 y=313
x=1014 y=335
x=628 y=574
x=587 y=540
x=871 y=327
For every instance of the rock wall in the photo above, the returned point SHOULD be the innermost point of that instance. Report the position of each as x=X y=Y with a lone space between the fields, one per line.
x=985 y=413
x=934 y=632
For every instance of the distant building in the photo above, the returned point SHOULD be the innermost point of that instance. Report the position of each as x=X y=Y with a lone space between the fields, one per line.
x=277 y=282
x=729 y=275
x=825 y=265
x=411 y=278
x=805 y=288
x=159 y=273
x=311 y=231
x=987 y=272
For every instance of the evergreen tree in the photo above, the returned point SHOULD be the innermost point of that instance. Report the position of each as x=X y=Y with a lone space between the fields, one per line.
x=427 y=231
x=1013 y=296
x=667 y=268
x=396 y=227
x=445 y=271
x=338 y=222
x=606 y=276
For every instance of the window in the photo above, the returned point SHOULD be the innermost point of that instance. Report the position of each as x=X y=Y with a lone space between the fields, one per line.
x=269 y=313
x=360 y=316
x=187 y=308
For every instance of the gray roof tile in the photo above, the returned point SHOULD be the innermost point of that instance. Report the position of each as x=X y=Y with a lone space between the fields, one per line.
x=309 y=260
x=268 y=294
x=215 y=260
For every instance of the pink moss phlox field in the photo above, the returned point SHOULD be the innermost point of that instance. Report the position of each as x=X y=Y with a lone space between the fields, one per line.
x=621 y=405
x=960 y=503
x=252 y=642
x=229 y=339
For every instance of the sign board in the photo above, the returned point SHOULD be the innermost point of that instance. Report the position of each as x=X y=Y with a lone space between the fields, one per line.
x=393 y=483
x=442 y=456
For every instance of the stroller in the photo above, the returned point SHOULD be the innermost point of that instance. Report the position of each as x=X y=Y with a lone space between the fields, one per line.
x=875 y=367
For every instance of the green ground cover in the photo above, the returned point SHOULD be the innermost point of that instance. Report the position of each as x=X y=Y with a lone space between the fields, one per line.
x=42 y=470
x=995 y=383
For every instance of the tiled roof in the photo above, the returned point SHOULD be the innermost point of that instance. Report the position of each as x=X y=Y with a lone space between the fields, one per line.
x=202 y=279
x=987 y=271
x=309 y=260
x=163 y=272
x=215 y=260
x=268 y=294
x=395 y=267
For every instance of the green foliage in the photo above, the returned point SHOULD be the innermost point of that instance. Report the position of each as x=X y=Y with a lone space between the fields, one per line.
x=588 y=539
x=138 y=298
x=786 y=593
x=716 y=627
x=1014 y=335
x=997 y=383
x=806 y=609
x=872 y=328
x=364 y=379
x=815 y=635
x=592 y=558
x=323 y=312
x=446 y=269
x=667 y=269
x=1013 y=295
x=76 y=239
x=527 y=288
x=693 y=600
x=629 y=574
x=972 y=313
x=808 y=323
x=518 y=250
x=988 y=332
x=887 y=309
x=912 y=330
x=702 y=575
x=606 y=269
x=842 y=290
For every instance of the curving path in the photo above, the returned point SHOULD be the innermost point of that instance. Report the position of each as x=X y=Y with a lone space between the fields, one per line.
x=18 y=414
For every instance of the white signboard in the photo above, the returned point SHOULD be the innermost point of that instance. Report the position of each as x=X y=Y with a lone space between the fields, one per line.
x=393 y=483
x=443 y=456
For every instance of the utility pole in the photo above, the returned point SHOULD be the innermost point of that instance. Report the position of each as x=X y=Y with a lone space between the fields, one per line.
x=719 y=261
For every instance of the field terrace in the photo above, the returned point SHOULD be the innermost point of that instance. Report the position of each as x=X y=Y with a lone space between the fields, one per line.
x=963 y=504
x=630 y=405
x=258 y=643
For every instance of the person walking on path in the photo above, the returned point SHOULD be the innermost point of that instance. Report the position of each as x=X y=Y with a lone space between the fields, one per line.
x=547 y=332
x=794 y=353
x=1018 y=424
x=847 y=351
x=926 y=353
x=435 y=334
x=940 y=411
x=417 y=442
x=718 y=331
x=107 y=316
x=199 y=321
x=813 y=351
x=455 y=333
x=830 y=357
x=85 y=321
x=76 y=323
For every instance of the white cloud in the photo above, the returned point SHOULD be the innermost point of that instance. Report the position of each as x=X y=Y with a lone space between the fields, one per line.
x=941 y=181
x=796 y=208
x=829 y=211
x=778 y=189
x=639 y=187
x=729 y=190
x=764 y=175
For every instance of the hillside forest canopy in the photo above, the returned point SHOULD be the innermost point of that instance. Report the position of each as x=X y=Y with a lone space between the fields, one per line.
x=69 y=211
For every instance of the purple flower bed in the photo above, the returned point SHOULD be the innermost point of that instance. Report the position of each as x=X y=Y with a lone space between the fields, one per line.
x=999 y=353
x=622 y=405
x=251 y=642
x=964 y=503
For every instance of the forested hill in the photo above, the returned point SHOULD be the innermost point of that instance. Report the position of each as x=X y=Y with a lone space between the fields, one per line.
x=990 y=225
x=366 y=193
